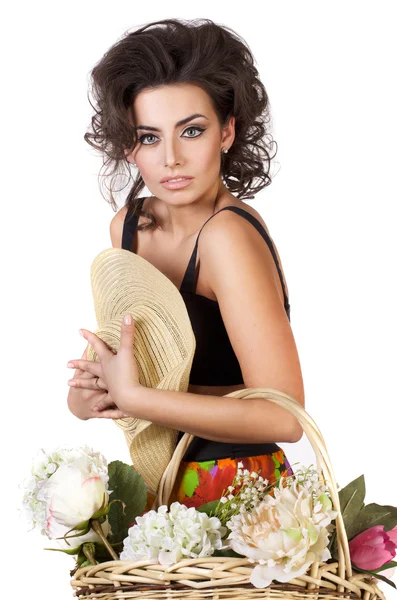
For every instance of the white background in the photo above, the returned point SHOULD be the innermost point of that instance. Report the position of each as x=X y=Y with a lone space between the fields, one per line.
x=329 y=69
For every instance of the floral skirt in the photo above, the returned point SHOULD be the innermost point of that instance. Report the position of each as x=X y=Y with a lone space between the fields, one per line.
x=200 y=482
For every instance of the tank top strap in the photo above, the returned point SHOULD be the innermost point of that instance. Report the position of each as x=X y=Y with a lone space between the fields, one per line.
x=130 y=225
x=189 y=283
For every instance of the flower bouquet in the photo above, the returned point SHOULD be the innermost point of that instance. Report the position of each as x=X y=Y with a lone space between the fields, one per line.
x=294 y=537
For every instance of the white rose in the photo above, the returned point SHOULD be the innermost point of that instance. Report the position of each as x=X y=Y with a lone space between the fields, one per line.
x=73 y=493
x=44 y=465
x=285 y=534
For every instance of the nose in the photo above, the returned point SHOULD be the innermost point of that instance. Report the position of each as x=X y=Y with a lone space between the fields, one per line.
x=171 y=153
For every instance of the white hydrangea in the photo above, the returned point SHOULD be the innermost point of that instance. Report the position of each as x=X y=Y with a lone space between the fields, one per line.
x=44 y=464
x=169 y=536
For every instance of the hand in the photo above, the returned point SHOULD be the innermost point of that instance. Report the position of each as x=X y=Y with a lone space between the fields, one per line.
x=83 y=398
x=118 y=372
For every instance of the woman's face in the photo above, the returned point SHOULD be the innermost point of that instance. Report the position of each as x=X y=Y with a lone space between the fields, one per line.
x=168 y=149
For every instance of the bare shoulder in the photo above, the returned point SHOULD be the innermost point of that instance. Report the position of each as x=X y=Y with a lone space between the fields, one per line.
x=227 y=227
x=228 y=232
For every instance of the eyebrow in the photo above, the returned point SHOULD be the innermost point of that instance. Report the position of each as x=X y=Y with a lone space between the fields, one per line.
x=178 y=124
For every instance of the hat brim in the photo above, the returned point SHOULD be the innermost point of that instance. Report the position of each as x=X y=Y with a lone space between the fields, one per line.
x=164 y=344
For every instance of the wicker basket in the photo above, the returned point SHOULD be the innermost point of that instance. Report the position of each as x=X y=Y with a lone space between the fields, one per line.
x=226 y=577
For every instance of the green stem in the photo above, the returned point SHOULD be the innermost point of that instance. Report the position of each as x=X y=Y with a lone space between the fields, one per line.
x=98 y=530
x=89 y=555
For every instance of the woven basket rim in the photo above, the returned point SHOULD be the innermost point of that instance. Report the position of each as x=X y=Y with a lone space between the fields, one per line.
x=322 y=578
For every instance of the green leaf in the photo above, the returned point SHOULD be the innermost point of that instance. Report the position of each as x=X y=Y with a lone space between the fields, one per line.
x=208 y=507
x=351 y=499
x=128 y=486
x=71 y=551
x=371 y=515
x=381 y=577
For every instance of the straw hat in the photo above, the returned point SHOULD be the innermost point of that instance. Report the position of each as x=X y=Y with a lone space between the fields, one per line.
x=164 y=344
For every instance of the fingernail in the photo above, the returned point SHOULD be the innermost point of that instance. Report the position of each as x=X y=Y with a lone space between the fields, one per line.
x=127 y=319
x=70 y=364
x=81 y=332
x=95 y=408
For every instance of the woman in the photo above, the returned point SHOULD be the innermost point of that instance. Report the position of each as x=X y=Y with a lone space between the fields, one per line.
x=182 y=102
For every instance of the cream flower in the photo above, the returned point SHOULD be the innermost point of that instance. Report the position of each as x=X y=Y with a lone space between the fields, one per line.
x=44 y=466
x=286 y=533
x=73 y=494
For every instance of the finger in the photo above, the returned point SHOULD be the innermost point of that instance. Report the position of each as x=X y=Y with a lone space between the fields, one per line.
x=71 y=363
x=105 y=403
x=88 y=383
x=110 y=414
x=127 y=334
x=98 y=345
x=90 y=366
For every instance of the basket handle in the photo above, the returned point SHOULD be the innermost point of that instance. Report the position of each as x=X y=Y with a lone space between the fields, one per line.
x=316 y=440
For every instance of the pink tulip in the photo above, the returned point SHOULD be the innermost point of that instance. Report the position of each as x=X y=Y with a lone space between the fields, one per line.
x=393 y=535
x=373 y=548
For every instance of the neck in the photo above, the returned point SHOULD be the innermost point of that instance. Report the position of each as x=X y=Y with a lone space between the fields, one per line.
x=181 y=221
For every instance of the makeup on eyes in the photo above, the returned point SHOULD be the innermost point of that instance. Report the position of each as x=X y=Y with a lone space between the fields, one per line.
x=197 y=127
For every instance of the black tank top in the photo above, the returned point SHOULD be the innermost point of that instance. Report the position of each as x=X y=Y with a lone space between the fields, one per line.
x=214 y=361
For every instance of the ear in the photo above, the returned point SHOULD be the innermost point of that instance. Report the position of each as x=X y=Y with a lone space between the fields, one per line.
x=229 y=133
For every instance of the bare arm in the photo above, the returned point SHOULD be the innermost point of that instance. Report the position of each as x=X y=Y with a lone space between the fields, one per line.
x=220 y=419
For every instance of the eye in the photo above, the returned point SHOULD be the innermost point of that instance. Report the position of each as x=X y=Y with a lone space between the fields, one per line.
x=143 y=137
x=151 y=135
x=194 y=127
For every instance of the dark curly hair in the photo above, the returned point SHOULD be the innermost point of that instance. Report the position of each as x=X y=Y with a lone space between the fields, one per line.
x=174 y=51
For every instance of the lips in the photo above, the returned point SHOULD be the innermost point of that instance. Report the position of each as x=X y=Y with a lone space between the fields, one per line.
x=176 y=185
x=175 y=177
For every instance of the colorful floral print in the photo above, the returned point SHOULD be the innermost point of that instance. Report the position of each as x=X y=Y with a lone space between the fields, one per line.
x=201 y=482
